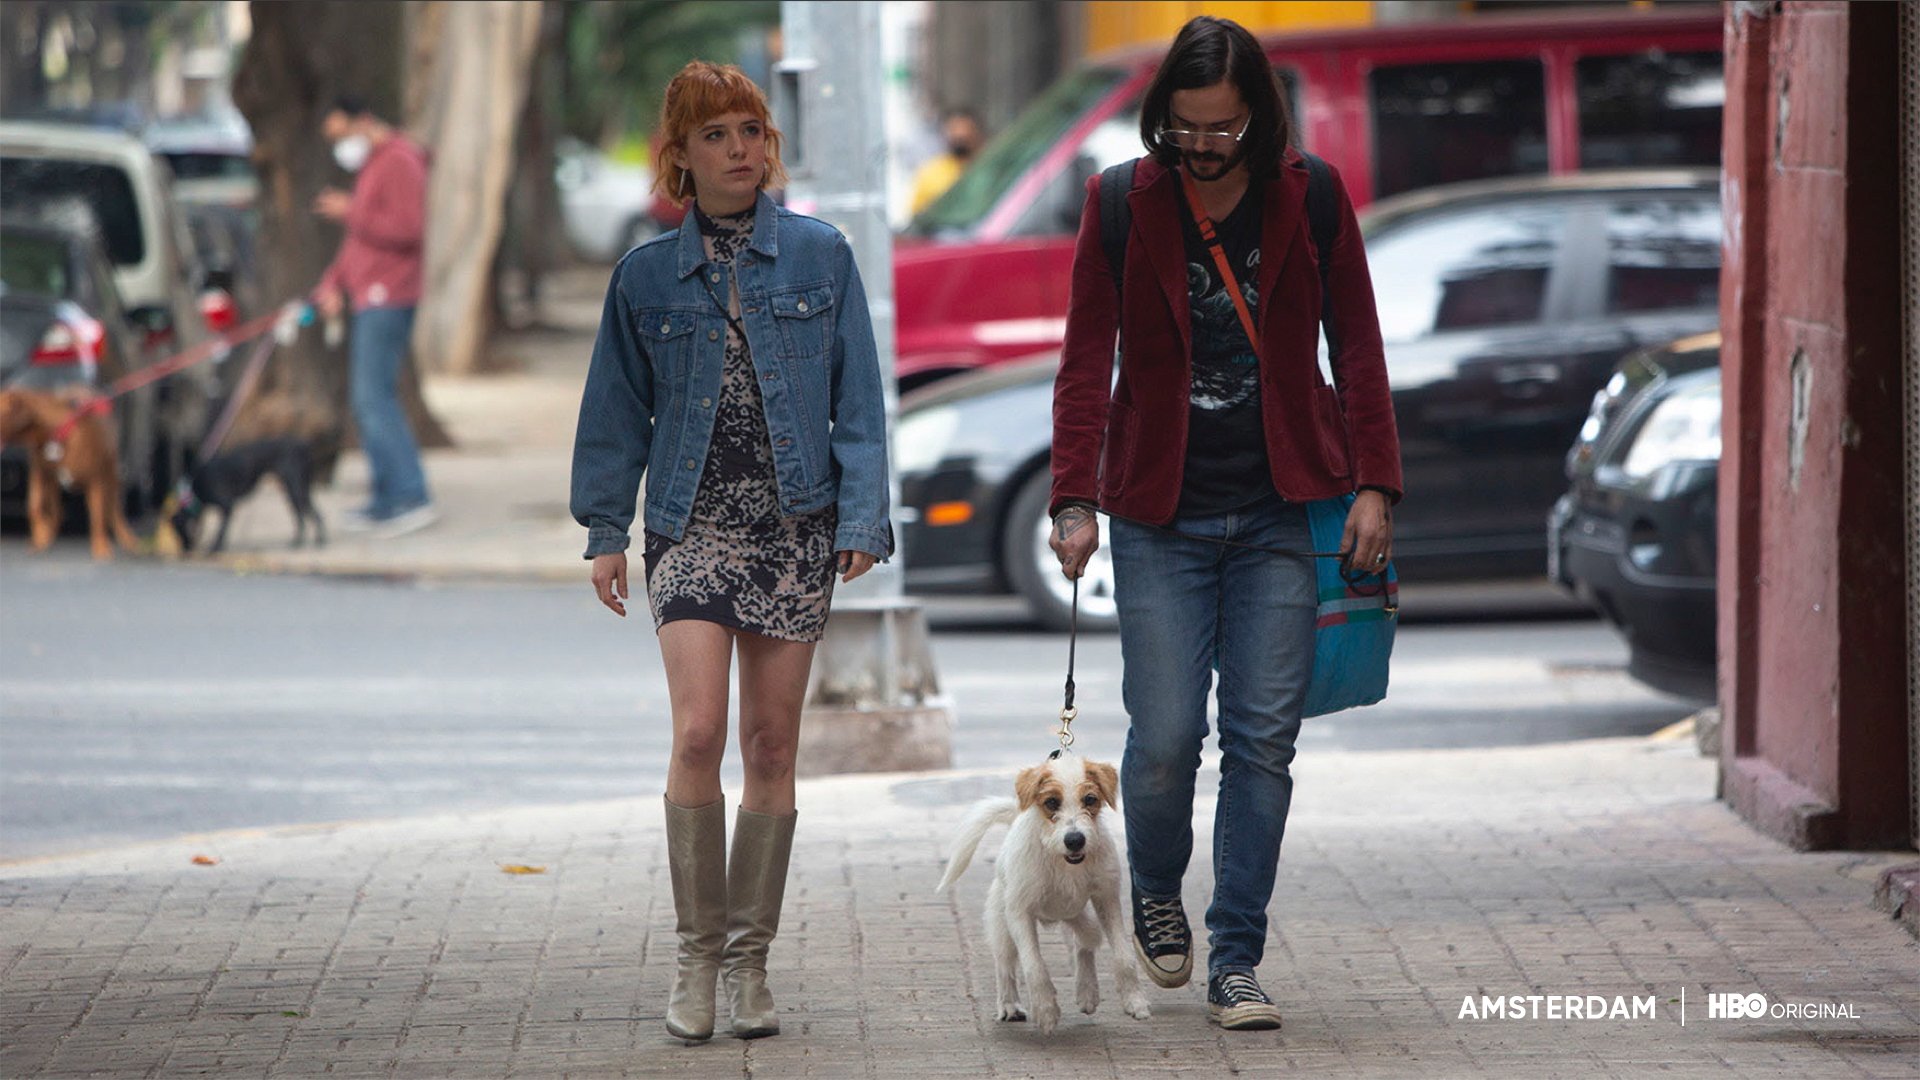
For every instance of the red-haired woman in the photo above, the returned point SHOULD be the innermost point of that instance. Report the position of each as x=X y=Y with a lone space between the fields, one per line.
x=735 y=368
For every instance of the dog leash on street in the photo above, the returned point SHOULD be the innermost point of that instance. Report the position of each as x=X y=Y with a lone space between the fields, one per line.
x=292 y=316
x=1068 y=713
x=288 y=314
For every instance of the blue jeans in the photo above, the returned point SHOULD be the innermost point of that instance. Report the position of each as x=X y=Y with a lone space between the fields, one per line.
x=1186 y=606
x=377 y=349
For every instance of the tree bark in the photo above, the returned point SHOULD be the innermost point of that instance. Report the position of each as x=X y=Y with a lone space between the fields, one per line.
x=298 y=59
x=532 y=246
x=482 y=65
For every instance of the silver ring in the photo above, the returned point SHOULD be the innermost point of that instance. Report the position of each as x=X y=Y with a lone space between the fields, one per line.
x=1380 y=558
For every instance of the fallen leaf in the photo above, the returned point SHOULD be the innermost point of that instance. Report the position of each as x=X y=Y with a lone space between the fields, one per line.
x=516 y=868
x=205 y=860
x=289 y=1012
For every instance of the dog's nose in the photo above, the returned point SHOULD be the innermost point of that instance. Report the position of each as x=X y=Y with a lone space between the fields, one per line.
x=1076 y=840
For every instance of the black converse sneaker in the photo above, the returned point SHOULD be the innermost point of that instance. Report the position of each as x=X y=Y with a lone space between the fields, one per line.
x=1235 y=1001
x=1161 y=939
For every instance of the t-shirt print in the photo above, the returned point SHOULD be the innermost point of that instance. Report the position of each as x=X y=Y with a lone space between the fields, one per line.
x=1226 y=372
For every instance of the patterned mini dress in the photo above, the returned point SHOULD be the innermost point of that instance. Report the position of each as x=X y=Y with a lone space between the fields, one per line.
x=741 y=563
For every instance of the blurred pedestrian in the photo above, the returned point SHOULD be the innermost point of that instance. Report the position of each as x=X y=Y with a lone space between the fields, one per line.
x=1221 y=430
x=960 y=130
x=735 y=369
x=377 y=273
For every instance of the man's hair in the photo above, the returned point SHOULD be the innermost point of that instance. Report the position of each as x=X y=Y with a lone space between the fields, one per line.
x=353 y=105
x=1207 y=51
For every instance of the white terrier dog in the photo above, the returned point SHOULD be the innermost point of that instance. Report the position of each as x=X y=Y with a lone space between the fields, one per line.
x=1057 y=859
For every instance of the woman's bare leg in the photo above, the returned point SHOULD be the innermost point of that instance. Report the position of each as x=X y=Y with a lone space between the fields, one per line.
x=773 y=686
x=698 y=656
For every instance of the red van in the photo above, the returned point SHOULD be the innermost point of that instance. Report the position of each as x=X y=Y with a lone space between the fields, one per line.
x=981 y=275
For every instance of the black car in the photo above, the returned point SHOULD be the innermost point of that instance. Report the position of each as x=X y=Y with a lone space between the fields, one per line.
x=1504 y=306
x=1634 y=536
x=62 y=324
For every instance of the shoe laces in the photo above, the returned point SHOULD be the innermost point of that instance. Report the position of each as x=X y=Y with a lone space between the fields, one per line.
x=1239 y=988
x=1166 y=922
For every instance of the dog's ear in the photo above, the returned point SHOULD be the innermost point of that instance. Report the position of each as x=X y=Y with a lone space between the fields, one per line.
x=1026 y=786
x=1105 y=780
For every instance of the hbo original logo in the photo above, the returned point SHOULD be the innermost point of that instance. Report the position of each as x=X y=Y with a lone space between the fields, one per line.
x=1736 y=1006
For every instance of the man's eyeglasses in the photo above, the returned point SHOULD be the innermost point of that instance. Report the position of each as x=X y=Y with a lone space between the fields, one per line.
x=1192 y=140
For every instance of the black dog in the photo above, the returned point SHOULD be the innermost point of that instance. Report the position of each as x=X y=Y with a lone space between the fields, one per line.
x=226 y=478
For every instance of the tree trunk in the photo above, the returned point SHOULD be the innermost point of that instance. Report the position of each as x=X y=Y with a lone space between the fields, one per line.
x=532 y=245
x=482 y=67
x=298 y=59
x=23 y=80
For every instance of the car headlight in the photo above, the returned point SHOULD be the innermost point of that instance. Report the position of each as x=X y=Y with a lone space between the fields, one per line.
x=1683 y=427
x=921 y=439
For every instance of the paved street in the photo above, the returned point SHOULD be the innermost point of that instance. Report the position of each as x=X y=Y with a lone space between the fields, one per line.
x=1412 y=882
x=143 y=700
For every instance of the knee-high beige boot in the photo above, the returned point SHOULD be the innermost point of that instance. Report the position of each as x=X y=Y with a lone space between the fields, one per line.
x=697 y=861
x=756 y=883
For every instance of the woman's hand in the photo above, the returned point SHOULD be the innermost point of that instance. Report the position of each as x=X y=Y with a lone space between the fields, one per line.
x=1368 y=540
x=854 y=563
x=1076 y=536
x=610 y=581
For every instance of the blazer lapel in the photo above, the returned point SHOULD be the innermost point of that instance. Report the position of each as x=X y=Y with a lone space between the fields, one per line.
x=1156 y=214
x=1286 y=203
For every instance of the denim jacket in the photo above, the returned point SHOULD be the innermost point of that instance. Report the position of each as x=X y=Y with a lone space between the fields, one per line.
x=655 y=375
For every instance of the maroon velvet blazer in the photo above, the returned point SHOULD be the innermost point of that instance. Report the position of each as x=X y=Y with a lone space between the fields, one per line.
x=1125 y=449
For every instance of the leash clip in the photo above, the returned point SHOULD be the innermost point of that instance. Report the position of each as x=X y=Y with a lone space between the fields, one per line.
x=1067 y=717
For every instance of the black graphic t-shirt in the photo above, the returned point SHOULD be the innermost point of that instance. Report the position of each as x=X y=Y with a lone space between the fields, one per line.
x=1226 y=445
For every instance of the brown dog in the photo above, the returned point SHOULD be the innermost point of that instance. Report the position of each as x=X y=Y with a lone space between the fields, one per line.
x=87 y=462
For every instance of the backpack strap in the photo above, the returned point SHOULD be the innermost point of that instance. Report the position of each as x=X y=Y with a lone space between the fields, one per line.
x=1116 y=217
x=1323 y=223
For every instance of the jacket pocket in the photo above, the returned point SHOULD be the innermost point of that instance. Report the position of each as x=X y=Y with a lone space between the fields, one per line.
x=1117 y=455
x=668 y=337
x=801 y=313
x=1332 y=429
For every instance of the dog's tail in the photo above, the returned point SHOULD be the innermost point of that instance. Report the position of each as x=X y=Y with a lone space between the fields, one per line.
x=985 y=815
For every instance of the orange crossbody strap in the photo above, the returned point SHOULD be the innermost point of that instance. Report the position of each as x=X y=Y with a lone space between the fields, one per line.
x=1212 y=241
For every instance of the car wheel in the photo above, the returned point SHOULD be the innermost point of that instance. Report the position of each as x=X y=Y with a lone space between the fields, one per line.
x=1035 y=571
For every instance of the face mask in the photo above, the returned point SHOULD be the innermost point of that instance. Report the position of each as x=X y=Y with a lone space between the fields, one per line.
x=352 y=151
x=961 y=150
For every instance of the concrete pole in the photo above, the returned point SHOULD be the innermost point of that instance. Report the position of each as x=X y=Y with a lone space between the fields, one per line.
x=874 y=702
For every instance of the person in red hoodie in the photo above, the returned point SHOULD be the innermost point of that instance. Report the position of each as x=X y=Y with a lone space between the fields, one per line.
x=1218 y=432
x=377 y=273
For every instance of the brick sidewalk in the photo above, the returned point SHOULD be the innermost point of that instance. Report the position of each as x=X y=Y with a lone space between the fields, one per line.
x=1410 y=880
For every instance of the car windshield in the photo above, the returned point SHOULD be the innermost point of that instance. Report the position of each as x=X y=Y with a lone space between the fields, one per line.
x=1010 y=154
x=105 y=189
x=36 y=264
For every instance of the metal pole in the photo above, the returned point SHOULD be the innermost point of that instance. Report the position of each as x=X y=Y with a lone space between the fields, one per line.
x=874 y=701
